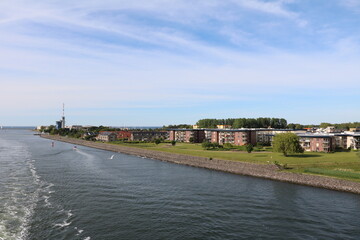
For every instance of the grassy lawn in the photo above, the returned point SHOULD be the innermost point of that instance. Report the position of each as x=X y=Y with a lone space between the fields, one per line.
x=345 y=165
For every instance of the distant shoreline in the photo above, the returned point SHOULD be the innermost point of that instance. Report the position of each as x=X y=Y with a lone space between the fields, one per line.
x=266 y=171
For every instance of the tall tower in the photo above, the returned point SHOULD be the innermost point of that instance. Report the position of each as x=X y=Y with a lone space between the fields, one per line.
x=63 y=117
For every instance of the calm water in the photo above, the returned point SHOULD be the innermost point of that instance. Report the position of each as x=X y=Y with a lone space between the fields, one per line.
x=59 y=193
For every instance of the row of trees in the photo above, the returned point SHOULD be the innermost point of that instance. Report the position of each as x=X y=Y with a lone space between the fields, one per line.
x=182 y=126
x=345 y=126
x=244 y=122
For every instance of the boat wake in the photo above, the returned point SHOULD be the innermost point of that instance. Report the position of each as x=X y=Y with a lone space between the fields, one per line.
x=19 y=190
x=67 y=221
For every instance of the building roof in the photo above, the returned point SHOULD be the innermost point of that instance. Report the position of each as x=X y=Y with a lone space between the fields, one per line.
x=106 y=133
x=316 y=135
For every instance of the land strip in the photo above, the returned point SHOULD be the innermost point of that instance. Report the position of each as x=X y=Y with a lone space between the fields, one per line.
x=267 y=171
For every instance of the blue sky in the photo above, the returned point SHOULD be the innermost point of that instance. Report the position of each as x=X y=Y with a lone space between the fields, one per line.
x=157 y=62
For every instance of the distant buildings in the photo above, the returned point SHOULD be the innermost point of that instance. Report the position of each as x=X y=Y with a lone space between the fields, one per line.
x=106 y=136
x=148 y=135
x=141 y=136
x=326 y=140
x=311 y=139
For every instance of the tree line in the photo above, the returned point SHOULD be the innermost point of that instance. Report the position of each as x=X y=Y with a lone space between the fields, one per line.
x=244 y=122
x=345 y=126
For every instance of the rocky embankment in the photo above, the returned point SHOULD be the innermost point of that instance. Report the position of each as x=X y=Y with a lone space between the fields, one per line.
x=267 y=171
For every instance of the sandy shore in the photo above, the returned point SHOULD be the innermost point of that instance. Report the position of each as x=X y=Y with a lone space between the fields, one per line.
x=267 y=171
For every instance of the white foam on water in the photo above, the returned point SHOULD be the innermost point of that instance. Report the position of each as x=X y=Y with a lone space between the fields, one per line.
x=61 y=225
x=67 y=221
x=87 y=238
x=21 y=191
x=46 y=200
x=79 y=231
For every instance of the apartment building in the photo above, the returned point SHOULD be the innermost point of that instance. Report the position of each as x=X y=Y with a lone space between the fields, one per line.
x=264 y=135
x=148 y=135
x=238 y=137
x=353 y=141
x=107 y=136
x=187 y=135
x=317 y=142
x=123 y=134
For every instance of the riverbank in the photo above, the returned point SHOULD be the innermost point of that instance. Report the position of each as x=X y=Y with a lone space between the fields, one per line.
x=267 y=171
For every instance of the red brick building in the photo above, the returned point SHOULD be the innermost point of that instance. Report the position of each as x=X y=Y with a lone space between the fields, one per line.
x=317 y=143
x=123 y=134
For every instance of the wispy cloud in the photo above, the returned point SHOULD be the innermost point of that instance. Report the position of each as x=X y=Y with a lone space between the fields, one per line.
x=157 y=54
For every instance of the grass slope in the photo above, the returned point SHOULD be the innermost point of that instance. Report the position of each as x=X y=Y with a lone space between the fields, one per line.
x=345 y=165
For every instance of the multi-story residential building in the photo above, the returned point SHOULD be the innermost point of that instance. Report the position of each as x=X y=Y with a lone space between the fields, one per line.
x=341 y=140
x=208 y=133
x=237 y=137
x=187 y=135
x=106 y=136
x=317 y=142
x=353 y=141
x=148 y=135
x=123 y=135
x=264 y=135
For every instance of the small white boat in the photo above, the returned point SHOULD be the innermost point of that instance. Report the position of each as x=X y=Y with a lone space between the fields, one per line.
x=112 y=156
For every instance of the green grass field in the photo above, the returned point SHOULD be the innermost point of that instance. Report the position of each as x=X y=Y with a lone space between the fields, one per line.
x=345 y=165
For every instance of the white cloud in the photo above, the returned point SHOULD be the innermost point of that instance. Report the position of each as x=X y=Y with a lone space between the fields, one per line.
x=351 y=3
x=277 y=8
x=73 y=52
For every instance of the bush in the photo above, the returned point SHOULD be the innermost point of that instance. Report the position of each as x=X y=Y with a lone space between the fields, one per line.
x=208 y=146
x=249 y=147
x=173 y=142
x=228 y=145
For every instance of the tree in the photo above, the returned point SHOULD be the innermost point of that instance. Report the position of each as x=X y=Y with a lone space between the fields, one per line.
x=249 y=147
x=287 y=143
x=157 y=141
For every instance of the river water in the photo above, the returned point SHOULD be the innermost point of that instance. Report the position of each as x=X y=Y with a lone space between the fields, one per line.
x=56 y=192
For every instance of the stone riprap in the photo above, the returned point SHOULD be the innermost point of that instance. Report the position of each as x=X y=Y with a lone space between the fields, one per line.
x=268 y=171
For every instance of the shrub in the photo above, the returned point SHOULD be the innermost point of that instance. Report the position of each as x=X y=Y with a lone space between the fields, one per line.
x=249 y=147
x=228 y=145
x=208 y=146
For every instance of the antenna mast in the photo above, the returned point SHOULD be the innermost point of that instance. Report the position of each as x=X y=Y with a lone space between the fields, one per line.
x=63 y=117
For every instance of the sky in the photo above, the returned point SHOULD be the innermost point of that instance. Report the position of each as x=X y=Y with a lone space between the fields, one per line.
x=161 y=62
